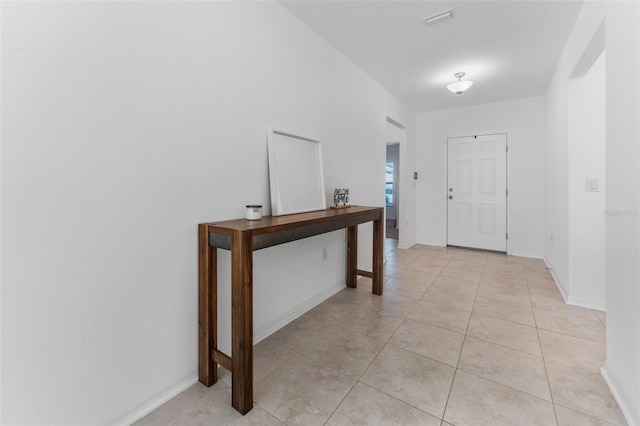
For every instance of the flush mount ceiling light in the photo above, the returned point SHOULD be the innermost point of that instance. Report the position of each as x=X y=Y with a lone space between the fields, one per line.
x=438 y=17
x=459 y=87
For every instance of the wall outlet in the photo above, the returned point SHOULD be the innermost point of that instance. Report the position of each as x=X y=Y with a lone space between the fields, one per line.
x=324 y=253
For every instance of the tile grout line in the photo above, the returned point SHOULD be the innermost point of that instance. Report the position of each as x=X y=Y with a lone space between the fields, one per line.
x=423 y=356
x=544 y=361
x=341 y=401
x=446 y=404
x=461 y=349
x=408 y=350
x=404 y=317
x=475 y=297
x=502 y=384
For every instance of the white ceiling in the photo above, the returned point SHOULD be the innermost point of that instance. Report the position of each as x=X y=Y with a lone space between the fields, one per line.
x=508 y=48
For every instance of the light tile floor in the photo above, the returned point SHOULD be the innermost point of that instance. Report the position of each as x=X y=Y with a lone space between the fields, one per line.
x=460 y=337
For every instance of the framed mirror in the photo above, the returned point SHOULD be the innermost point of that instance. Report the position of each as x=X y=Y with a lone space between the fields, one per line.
x=296 y=176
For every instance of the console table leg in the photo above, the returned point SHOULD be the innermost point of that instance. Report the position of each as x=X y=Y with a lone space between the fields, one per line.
x=378 y=250
x=242 y=321
x=352 y=256
x=207 y=308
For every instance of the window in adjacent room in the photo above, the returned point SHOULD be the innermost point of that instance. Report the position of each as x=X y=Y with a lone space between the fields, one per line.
x=389 y=183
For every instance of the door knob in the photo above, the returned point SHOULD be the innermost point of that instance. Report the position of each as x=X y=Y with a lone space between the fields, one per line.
x=451 y=197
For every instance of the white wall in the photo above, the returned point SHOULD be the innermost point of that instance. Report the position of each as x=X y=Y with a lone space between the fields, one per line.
x=586 y=155
x=523 y=122
x=556 y=237
x=126 y=124
x=622 y=36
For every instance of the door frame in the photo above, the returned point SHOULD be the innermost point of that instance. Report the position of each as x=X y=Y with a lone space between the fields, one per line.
x=397 y=190
x=402 y=179
x=445 y=192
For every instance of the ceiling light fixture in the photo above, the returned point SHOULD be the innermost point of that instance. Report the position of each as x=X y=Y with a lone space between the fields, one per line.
x=438 y=17
x=458 y=87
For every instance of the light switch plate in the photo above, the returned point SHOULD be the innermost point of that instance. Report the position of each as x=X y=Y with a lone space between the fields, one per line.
x=593 y=185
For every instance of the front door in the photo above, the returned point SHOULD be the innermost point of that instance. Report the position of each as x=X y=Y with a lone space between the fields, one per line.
x=477 y=192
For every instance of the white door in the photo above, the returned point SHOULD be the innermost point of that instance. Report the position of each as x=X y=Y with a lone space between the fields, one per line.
x=477 y=192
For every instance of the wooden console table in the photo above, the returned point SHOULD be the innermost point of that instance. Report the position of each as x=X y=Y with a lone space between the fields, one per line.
x=243 y=237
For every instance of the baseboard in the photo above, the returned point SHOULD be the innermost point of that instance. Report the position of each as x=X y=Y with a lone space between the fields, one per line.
x=157 y=400
x=271 y=327
x=405 y=243
x=557 y=281
x=434 y=243
x=275 y=325
x=585 y=304
x=192 y=378
x=572 y=300
x=526 y=255
x=631 y=416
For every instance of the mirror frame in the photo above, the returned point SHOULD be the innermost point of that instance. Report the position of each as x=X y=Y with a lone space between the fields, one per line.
x=281 y=170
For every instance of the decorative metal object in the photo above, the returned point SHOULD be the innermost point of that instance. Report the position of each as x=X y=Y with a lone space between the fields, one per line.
x=341 y=196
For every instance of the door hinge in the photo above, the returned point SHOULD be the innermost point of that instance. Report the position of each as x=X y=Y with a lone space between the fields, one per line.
x=507 y=235
x=507 y=146
x=507 y=192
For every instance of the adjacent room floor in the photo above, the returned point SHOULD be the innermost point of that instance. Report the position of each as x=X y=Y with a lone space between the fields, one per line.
x=459 y=337
x=390 y=229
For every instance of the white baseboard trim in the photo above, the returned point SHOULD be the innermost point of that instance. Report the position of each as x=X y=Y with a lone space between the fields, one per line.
x=405 y=243
x=572 y=300
x=192 y=378
x=157 y=400
x=275 y=325
x=630 y=414
x=585 y=304
x=433 y=243
x=271 y=327
x=557 y=281
x=527 y=255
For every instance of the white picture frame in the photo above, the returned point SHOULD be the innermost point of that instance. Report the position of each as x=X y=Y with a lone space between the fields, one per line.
x=296 y=176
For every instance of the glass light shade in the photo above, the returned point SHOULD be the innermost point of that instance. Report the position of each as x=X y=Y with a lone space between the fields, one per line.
x=458 y=87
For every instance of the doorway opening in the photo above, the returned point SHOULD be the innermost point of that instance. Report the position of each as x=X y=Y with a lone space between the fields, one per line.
x=394 y=186
x=391 y=188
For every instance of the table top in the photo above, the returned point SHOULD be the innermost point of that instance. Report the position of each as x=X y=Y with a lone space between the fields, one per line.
x=272 y=223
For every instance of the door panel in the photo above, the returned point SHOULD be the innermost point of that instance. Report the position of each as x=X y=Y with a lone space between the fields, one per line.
x=464 y=217
x=477 y=192
x=487 y=177
x=465 y=178
x=488 y=219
